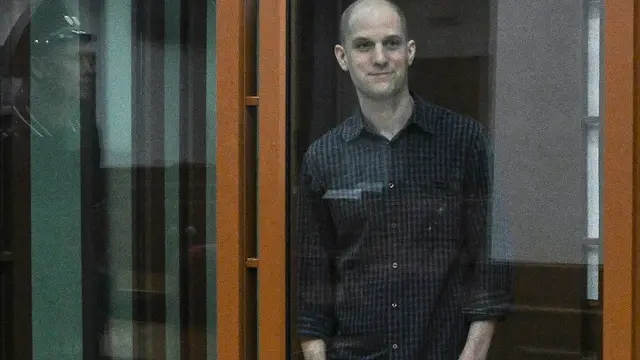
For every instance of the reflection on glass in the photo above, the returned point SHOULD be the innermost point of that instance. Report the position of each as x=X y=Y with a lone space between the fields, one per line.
x=211 y=269
x=107 y=136
x=117 y=162
x=56 y=190
x=172 y=175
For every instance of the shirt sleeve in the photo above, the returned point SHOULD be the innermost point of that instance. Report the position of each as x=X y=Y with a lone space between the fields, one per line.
x=315 y=318
x=489 y=283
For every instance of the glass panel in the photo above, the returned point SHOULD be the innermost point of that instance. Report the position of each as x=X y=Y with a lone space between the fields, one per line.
x=460 y=202
x=116 y=62
x=56 y=258
x=107 y=166
x=172 y=175
x=211 y=76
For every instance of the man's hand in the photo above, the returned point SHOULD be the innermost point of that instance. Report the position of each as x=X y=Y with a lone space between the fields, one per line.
x=478 y=341
x=314 y=349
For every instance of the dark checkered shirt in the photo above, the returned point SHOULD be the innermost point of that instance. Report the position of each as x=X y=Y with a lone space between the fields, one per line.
x=393 y=239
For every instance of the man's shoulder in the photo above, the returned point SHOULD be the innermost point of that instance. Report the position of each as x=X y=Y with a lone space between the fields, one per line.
x=331 y=141
x=447 y=120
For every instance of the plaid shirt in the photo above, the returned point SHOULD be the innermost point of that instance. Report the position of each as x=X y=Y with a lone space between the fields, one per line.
x=393 y=239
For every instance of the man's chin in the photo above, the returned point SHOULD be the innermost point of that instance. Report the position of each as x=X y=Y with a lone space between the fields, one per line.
x=381 y=94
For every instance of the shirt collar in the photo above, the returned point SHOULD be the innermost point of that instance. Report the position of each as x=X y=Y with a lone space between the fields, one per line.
x=419 y=116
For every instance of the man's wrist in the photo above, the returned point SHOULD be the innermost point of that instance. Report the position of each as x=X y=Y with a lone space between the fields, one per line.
x=478 y=340
x=314 y=349
x=481 y=331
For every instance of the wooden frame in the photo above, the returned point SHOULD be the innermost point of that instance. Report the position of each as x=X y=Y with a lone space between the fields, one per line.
x=635 y=321
x=229 y=161
x=272 y=224
x=620 y=289
x=235 y=204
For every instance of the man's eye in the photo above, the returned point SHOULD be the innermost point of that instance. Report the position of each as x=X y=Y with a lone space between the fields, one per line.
x=363 y=46
x=393 y=43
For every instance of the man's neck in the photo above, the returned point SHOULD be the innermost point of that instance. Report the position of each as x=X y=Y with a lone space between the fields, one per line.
x=389 y=116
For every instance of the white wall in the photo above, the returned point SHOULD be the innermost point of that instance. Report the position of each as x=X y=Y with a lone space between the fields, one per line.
x=539 y=136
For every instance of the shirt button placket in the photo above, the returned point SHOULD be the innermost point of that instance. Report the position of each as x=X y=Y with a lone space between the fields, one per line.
x=394 y=305
x=394 y=225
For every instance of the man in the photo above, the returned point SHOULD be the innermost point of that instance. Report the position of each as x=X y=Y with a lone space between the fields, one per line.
x=53 y=116
x=392 y=228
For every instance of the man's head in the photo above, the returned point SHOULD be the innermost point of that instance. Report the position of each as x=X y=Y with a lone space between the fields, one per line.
x=63 y=69
x=375 y=48
x=61 y=52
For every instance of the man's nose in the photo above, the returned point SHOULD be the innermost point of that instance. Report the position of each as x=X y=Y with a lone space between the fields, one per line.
x=380 y=55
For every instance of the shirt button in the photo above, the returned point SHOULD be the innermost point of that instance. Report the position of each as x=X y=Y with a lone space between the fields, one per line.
x=394 y=346
x=393 y=225
x=394 y=305
x=395 y=265
x=391 y=185
x=429 y=228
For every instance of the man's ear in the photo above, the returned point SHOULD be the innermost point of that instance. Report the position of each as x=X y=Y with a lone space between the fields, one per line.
x=341 y=56
x=411 y=51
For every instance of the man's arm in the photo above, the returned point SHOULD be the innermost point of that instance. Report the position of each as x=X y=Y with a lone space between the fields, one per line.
x=478 y=340
x=315 y=289
x=489 y=284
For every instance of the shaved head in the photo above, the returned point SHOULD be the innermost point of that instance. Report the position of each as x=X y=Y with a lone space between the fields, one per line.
x=345 y=21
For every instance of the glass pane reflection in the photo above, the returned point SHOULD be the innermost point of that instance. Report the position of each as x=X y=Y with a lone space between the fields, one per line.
x=108 y=179
x=530 y=75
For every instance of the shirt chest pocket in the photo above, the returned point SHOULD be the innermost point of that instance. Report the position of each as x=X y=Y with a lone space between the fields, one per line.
x=438 y=203
x=350 y=208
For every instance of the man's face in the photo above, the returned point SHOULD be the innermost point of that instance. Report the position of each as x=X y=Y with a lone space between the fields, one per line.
x=376 y=52
x=65 y=71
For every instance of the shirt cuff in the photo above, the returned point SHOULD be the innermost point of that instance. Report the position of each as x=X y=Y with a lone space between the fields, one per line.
x=315 y=325
x=495 y=306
